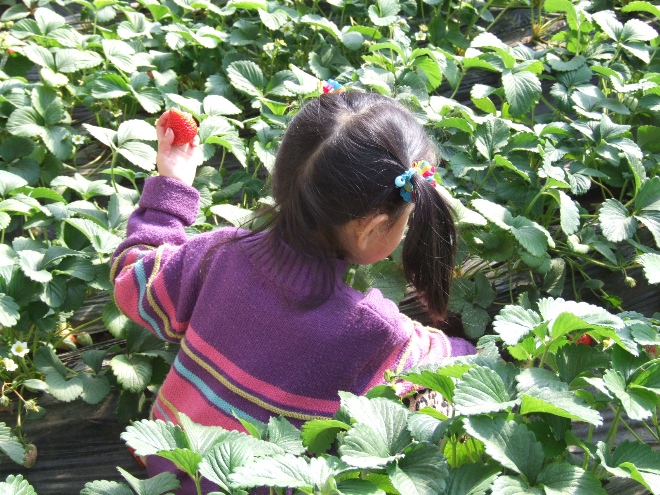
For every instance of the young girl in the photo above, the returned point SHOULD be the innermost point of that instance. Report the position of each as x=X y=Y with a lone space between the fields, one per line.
x=266 y=325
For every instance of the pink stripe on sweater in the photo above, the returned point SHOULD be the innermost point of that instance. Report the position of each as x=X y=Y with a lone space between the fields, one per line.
x=256 y=386
x=160 y=290
x=127 y=296
x=196 y=406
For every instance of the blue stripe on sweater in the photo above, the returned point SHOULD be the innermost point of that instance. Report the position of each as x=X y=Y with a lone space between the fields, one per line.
x=142 y=283
x=162 y=411
x=210 y=395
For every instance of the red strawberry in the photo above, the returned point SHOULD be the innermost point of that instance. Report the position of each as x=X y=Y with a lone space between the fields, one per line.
x=184 y=126
x=584 y=339
x=138 y=458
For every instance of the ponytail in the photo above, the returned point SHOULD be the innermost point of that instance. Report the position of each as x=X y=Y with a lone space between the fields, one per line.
x=429 y=248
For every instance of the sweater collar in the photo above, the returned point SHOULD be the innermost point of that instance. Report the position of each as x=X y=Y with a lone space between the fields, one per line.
x=298 y=273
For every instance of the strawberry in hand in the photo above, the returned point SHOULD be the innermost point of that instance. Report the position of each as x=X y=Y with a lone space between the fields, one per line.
x=178 y=146
x=182 y=124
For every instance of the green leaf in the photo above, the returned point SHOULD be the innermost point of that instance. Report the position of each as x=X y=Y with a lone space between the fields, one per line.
x=313 y=476
x=387 y=276
x=380 y=434
x=647 y=207
x=95 y=388
x=246 y=77
x=40 y=56
x=233 y=214
x=384 y=12
x=16 y=485
x=140 y=154
x=201 y=438
x=542 y=392
x=94 y=358
x=10 y=445
x=639 y=404
x=633 y=460
x=651 y=264
x=9 y=311
x=430 y=379
x=566 y=316
x=286 y=436
x=572 y=360
x=162 y=482
x=121 y=54
x=422 y=471
x=358 y=486
x=9 y=182
x=106 y=136
x=617 y=223
x=511 y=444
x=530 y=235
x=508 y=485
x=25 y=122
x=148 y=437
x=639 y=6
x=318 y=435
x=491 y=136
x=232 y=452
x=569 y=213
x=522 y=89
x=513 y=323
x=136 y=129
x=185 y=459
x=219 y=105
x=64 y=389
x=494 y=212
x=481 y=390
x=133 y=372
x=323 y=23
x=472 y=479
x=103 y=487
x=103 y=241
x=35 y=385
x=563 y=479
x=31 y=264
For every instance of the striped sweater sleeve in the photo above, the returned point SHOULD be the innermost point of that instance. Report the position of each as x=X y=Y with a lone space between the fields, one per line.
x=155 y=278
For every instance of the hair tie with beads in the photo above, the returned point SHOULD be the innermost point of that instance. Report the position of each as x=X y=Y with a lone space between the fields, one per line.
x=331 y=86
x=403 y=181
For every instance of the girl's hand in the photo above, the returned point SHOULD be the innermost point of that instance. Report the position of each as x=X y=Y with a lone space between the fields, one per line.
x=177 y=162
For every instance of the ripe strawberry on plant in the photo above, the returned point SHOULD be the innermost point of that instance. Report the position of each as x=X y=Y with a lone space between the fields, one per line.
x=183 y=125
x=584 y=339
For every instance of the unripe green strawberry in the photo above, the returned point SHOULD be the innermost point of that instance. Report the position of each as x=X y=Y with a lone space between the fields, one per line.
x=84 y=339
x=30 y=455
x=184 y=126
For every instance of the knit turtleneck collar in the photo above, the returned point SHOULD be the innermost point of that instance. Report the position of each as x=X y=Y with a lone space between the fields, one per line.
x=296 y=272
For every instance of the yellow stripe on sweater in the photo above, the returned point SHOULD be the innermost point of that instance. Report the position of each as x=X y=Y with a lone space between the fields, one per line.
x=152 y=300
x=118 y=258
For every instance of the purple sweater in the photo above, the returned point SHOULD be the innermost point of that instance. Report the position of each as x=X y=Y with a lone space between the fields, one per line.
x=247 y=349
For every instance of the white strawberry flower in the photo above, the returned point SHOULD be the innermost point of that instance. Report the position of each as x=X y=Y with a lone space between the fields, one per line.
x=10 y=364
x=20 y=349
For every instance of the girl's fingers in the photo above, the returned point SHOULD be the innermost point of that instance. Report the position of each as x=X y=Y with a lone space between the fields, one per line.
x=161 y=125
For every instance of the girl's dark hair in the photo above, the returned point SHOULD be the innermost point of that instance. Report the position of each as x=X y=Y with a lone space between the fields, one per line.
x=338 y=161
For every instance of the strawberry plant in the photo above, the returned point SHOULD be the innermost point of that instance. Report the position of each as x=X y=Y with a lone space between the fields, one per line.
x=551 y=165
x=508 y=428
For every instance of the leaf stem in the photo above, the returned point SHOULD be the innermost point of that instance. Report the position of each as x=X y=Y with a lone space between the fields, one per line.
x=611 y=434
x=87 y=324
x=632 y=432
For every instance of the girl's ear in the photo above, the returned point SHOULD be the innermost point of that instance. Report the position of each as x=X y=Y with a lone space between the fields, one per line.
x=369 y=229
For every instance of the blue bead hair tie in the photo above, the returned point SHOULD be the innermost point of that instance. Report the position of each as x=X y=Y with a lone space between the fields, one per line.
x=404 y=181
